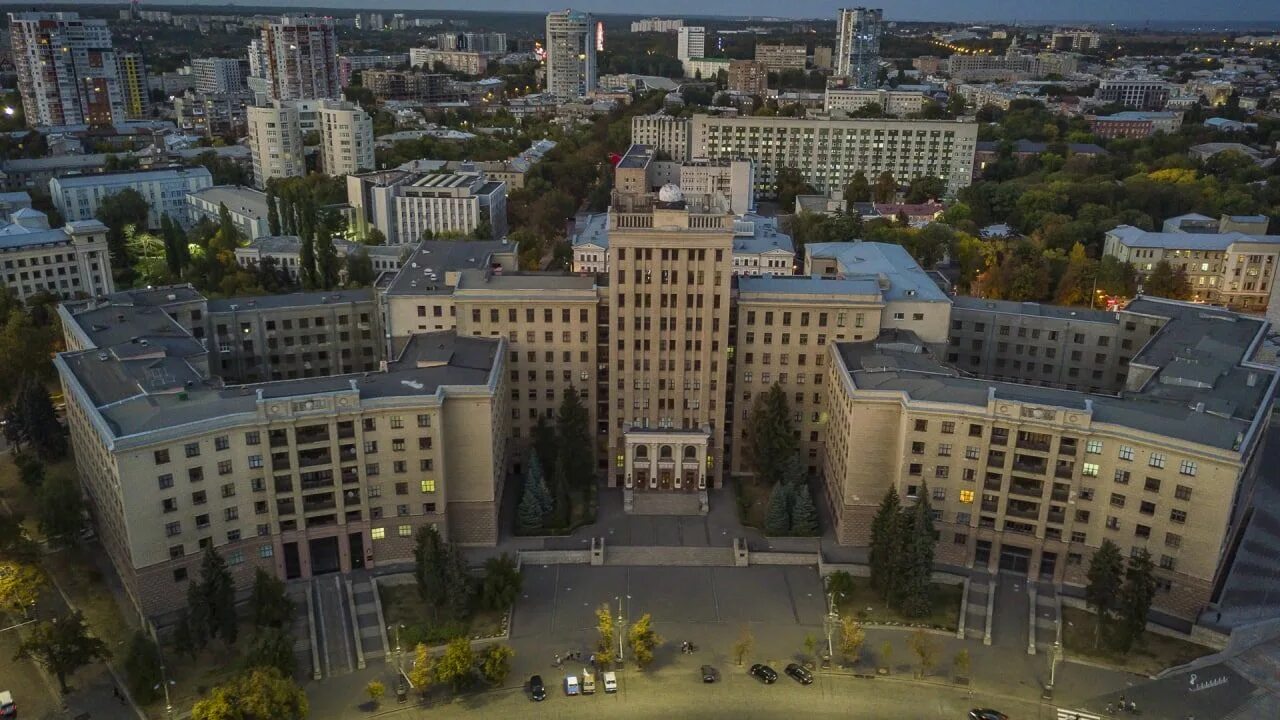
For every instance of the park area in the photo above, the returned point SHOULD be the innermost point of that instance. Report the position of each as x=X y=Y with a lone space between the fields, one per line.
x=1151 y=653
x=403 y=606
x=865 y=604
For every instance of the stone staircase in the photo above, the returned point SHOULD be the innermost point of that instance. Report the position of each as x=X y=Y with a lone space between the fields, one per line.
x=975 y=621
x=669 y=556
x=665 y=503
x=1046 y=623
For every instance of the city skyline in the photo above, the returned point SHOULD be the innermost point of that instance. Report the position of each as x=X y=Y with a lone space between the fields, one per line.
x=1179 y=13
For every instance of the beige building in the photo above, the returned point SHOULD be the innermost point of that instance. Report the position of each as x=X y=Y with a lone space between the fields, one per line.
x=299 y=477
x=892 y=102
x=1229 y=262
x=667 y=133
x=748 y=76
x=67 y=262
x=777 y=58
x=467 y=63
x=346 y=138
x=1032 y=480
x=275 y=139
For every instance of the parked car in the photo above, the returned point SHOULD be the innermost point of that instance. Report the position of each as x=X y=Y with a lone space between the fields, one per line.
x=763 y=673
x=571 y=685
x=710 y=674
x=537 y=690
x=610 y=681
x=986 y=714
x=800 y=674
x=588 y=682
x=8 y=708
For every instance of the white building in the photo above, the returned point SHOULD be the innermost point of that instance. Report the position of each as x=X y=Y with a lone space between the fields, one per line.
x=665 y=132
x=705 y=68
x=858 y=46
x=302 y=58
x=691 y=42
x=257 y=58
x=759 y=248
x=79 y=197
x=218 y=75
x=346 y=138
x=286 y=252
x=571 y=54
x=893 y=102
x=68 y=262
x=404 y=205
x=68 y=72
x=276 y=138
x=656 y=24
x=246 y=206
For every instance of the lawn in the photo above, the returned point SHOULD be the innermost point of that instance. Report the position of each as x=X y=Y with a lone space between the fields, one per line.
x=402 y=604
x=753 y=500
x=865 y=604
x=1151 y=654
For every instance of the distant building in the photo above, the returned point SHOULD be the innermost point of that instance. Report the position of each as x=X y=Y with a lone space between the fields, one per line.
x=78 y=198
x=1138 y=93
x=691 y=42
x=705 y=68
x=988 y=151
x=213 y=114
x=748 y=76
x=571 y=54
x=134 y=85
x=462 y=61
x=823 y=57
x=68 y=71
x=302 y=58
x=780 y=57
x=667 y=133
x=218 y=75
x=246 y=206
x=286 y=252
x=656 y=25
x=1133 y=124
x=858 y=46
x=494 y=43
x=1075 y=40
x=893 y=102
x=67 y=262
x=405 y=205
x=407 y=85
x=276 y=133
x=348 y=65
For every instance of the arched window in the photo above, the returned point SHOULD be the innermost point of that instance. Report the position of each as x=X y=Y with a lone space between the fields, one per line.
x=690 y=453
x=664 y=452
x=642 y=453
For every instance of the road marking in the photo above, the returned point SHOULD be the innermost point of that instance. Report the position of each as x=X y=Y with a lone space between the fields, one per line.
x=1065 y=714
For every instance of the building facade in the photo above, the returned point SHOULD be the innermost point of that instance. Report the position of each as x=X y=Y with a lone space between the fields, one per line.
x=67 y=262
x=68 y=72
x=571 y=54
x=301 y=56
x=407 y=85
x=691 y=42
x=409 y=206
x=1137 y=93
x=748 y=76
x=780 y=57
x=246 y=206
x=858 y=33
x=275 y=139
x=134 y=87
x=79 y=197
x=897 y=103
x=218 y=75
x=462 y=61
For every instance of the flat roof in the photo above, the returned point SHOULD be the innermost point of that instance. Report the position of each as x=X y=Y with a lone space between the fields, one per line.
x=904 y=277
x=423 y=273
x=807 y=285
x=1035 y=309
x=238 y=199
x=302 y=299
x=135 y=175
x=1131 y=236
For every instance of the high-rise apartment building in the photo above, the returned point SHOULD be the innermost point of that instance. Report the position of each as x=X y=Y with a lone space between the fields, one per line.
x=480 y=42
x=858 y=46
x=218 y=75
x=257 y=58
x=748 y=76
x=68 y=72
x=275 y=140
x=133 y=85
x=571 y=54
x=656 y=24
x=302 y=58
x=691 y=42
x=346 y=138
x=276 y=132
x=667 y=133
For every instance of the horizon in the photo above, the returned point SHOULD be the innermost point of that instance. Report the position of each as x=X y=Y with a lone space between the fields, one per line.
x=999 y=12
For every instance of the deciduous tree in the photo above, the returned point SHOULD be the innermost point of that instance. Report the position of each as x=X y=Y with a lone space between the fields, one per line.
x=142 y=668
x=495 y=663
x=925 y=649
x=62 y=646
x=60 y=509
x=501 y=584
x=745 y=643
x=422 y=674
x=852 y=637
x=606 y=631
x=457 y=665
x=643 y=640
x=20 y=585
x=258 y=694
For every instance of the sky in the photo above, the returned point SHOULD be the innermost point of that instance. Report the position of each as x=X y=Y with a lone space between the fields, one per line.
x=1128 y=12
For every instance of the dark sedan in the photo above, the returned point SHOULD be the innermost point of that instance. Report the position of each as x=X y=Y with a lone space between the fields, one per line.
x=710 y=674
x=537 y=690
x=763 y=673
x=986 y=714
x=800 y=674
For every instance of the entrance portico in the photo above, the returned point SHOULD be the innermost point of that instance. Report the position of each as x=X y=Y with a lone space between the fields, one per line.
x=665 y=460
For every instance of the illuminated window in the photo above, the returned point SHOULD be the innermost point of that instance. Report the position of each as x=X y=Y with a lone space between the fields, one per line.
x=966 y=496
x=378 y=533
x=428 y=486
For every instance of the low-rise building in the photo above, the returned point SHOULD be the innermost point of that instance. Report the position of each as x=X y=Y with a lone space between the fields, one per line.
x=1134 y=124
x=66 y=262
x=1136 y=92
x=408 y=207
x=246 y=206
x=78 y=198
x=407 y=85
x=892 y=102
x=285 y=252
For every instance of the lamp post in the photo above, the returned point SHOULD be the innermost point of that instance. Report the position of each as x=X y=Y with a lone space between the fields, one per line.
x=165 y=683
x=833 y=620
x=1053 y=663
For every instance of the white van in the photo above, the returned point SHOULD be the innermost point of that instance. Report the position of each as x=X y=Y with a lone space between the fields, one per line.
x=610 y=682
x=588 y=682
x=570 y=685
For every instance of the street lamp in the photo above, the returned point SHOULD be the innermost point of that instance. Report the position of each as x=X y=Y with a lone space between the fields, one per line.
x=1053 y=663
x=165 y=682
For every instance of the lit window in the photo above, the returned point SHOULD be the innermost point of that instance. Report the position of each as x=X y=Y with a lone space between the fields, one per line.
x=428 y=486
x=1089 y=470
x=405 y=530
x=378 y=533
x=1187 y=467
x=966 y=496
x=1093 y=447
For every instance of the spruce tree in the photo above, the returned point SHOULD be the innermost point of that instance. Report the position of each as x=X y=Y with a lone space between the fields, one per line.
x=886 y=540
x=804 y=515
x=219 y=592
x=38 y=424
x=917 y=558
x=1136 y=594
x=1104 y=582
x=771 y=434
x=561 y=512
x=273 y=213
x=529 y=512
x=539 y=481
x=197 y=617
x=777 y=519
x=791 y=472
x=573 y=436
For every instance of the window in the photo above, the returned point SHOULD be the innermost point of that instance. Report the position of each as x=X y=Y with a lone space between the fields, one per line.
x=1178 y=516
x=378 y=533
x=917 y=448
x=198 y=498
x=1089 y=469
x=1187 y=467
x=1142 y=531
x=1093 y=447
x=948 y=428
x=1152 y=485
x=1113 y=522
x=252 y=438
x=1167 y=562
x=402 y=488
x=1117 y=500
x=169 y=505
x=922 y=425
x=266 y=551
x=173 y=528
x=1078 y=536
x=405 y=531
x=255 y=461
x=1082 y=516
x=224 y=467
x=1122 y=477
x=939 y=493
x=944 y=450
x=162 y=457
x=228 y=490
x=1157 y=460
x=230 y=514
x=192 y=449
x=1182 y=492
x=942 y=471
x=971 y=452
x=1086 y=493
x=428 y=486
x=166 y=481
x=1126 y=452
x=195 y=474
x=221 y=443
x=1172 y=540
x=966 y=496
x=175 y=552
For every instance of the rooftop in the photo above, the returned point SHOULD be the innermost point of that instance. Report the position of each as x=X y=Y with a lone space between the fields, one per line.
x=898 y=273
x=1131 y=236
x=285 y=244
x=424 y=272
x=238 y=199
x=1035 y=309
x=132 y=176
x=291 y=300
x=809 y=285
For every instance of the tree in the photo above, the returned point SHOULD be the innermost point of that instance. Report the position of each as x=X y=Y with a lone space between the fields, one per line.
x=561 y=512
x=142 y=668
x=375 y=690
x=272 y=606
x=273 y=212
x=326 y=262
x=429 y=560
x=886 y=542
x=1076 y=284
x=811 y=646
x=606 y=631
x=771 y=434
x=1136 y=594
x=962 y=663
x=374 y=236
x=219 y=593
x=421 y=674
x=925 y=649
x=118 y=211
x=576 y=448
x=60 y=509
x=359 y=268
x=916 y=569
x=852 y=637
x=495 y=663
x=30 y=469
x=15 y=545
x=643 y=640
x=804 y=515
x=545 y=446
x=925 y=188
x=271 y=647
x=20 y=585
x=36 y=422
x=198 y=616
x=744 y=644
x=307 y=264
x=791 y=183
x=455 y=666
x=501 y=584
x=529 y=515
x=457 y=584
x=1161 y=281
x=258 y=694
x=885 y=188
x=62 y=646
x=777 y=519
x=857 y=190
x=1102 y=592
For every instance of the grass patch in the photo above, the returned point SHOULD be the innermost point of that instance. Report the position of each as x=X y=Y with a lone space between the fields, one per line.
x=865 y=604
x=582 y=511
x=1150 y=654
x=753 y=500
x=403 y=605
x=191 y=679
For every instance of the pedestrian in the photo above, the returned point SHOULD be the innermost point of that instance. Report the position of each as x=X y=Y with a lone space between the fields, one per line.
x=557 y=659
x=115 y=692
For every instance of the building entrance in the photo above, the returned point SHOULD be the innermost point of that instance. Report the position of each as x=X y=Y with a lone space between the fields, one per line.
x=1015 y=559
x=324 y=555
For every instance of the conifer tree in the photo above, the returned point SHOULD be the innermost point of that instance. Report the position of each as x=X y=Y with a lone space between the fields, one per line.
x=886 y=541
x=804 y=514
x=777 y=520
x=917 y=558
